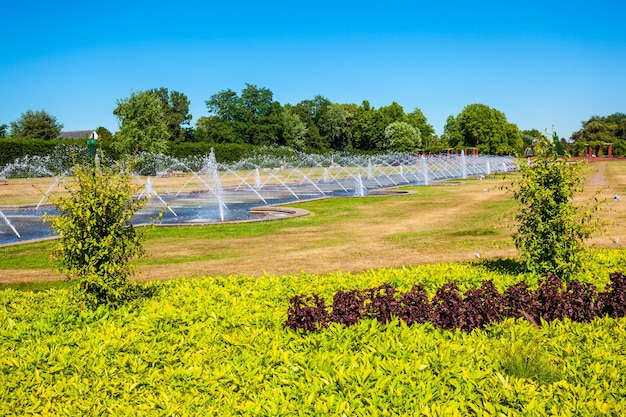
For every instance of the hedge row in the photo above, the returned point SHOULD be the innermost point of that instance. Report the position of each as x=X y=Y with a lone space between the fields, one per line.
x=14 y=150
x=476 y=308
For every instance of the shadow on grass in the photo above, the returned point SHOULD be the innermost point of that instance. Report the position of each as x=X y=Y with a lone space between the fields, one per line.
x=504 y=266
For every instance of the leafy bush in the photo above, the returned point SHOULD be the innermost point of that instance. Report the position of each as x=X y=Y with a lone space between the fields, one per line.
x=613 y=300
x=347 y=307
x=415 y=306
x=551 y=229
x=483 y=305
x=97 y=239
x=307 y=313
x=476 y=308
x=448 y=308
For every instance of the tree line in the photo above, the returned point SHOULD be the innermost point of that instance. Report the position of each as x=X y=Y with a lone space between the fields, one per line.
x=151 y=120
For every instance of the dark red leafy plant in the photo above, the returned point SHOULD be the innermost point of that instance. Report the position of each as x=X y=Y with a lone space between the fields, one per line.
x=307 y=313
x=347 y=307
x=415 y=306
x=450 y=310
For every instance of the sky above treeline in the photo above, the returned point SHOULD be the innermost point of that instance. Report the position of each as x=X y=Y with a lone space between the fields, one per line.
x=545 y=64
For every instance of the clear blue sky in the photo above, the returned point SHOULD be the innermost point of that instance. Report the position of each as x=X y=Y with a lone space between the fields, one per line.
x=542 y=63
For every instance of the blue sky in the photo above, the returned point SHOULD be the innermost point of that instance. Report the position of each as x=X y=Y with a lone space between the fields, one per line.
x=542 y=63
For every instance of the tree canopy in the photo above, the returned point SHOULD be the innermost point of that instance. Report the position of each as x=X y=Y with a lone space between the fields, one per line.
x=600 y=130
x=142 y=124
x=175 y=107
x=150 y=120
x=254 y=117
x=480 y=126
x=36 y=125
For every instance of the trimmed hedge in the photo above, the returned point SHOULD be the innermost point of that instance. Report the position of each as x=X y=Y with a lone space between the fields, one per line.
x=12 y=149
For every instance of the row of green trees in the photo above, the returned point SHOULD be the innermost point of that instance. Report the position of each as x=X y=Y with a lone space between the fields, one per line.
x=597 y=132
x=152 y=120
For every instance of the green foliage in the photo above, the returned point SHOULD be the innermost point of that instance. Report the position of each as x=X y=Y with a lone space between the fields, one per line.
x=36 y=124
x=402 y=137
x=14 y=148
x=217 y=346
x=294 y=131
x=97 y=239
x=528 y=359
x=175 y=112
x=143 y=125
x=485 y=128
x=40 y=157
x=104 y=134
x=252 y=118
x=551 y=228
x=600 y=130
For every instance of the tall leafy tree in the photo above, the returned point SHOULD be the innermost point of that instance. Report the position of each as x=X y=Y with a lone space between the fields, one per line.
x=487 y=129
x=600 y=130
x=37 y=125
x=402 y=137
x=142 y=125
x=104 y=133
x=254 y=117
x=310 y=112
x=4 y=130
x=367 y=127
x=216 y=130
x=262 y=115
x=370 y=124
x=332 y=126
x=417 y=119
x=175 y=112
x=294 y=131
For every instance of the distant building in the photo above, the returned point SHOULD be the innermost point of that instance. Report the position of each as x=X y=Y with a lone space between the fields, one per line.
x=79 y=134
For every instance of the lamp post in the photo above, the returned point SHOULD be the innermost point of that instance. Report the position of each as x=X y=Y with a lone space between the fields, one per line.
x=91 y=146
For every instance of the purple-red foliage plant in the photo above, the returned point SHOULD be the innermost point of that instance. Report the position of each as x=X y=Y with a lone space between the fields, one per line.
x=414 y=306
x=448 y=308
x=581 y=302
x=483 y=305
x=348 y=307
x=380 y=303
x=613 y=300
x=307 y=313
x=520 y=301
x=550 y=297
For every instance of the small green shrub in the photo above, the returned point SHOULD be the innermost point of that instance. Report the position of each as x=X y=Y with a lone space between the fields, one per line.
x=97 y=239
x=551 y=229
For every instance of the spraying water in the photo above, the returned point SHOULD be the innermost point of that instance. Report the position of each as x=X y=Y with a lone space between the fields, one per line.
x=10 y=225
x=463 y=165
x=282 y=180
x=359 y=188
x=425 y=169
x=48 y=191
x=149 y=192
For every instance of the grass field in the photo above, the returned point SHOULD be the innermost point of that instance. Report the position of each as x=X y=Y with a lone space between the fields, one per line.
x=447 y=222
